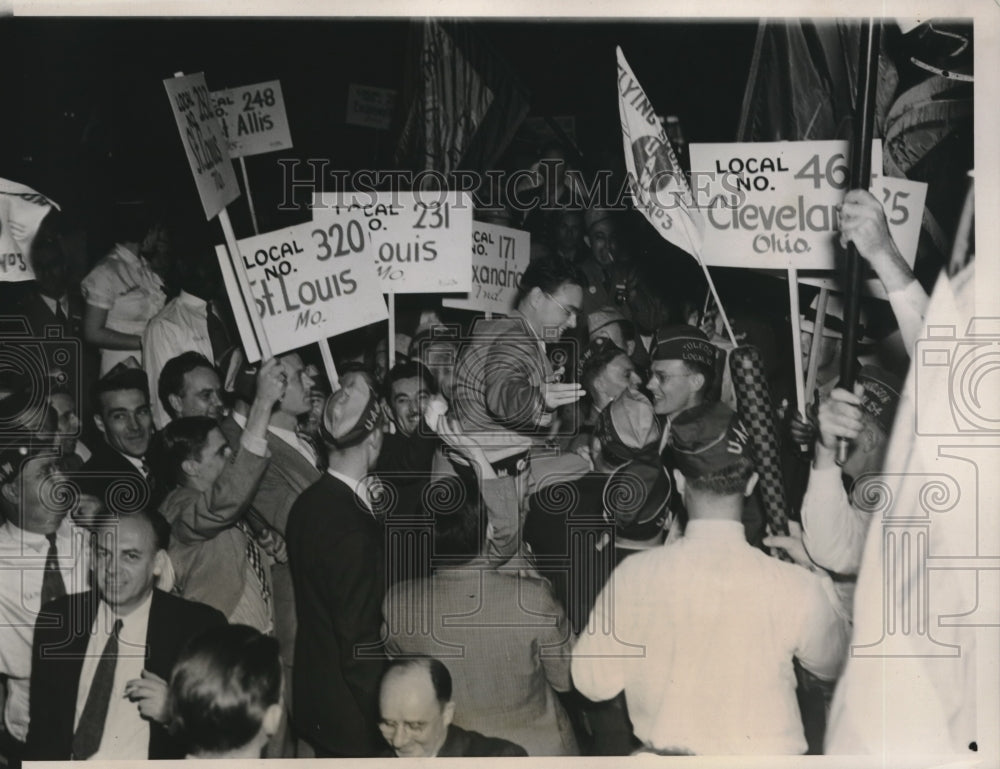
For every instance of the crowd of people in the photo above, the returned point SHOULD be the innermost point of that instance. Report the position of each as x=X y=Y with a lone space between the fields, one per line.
x=534 y=535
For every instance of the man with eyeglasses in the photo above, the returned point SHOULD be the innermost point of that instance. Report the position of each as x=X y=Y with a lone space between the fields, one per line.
x=684 y=370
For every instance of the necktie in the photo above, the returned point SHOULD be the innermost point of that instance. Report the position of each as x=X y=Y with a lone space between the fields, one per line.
x=218 y=337
x=60 y=314
x=90 y=730
x=256 y=560
x=52 y=580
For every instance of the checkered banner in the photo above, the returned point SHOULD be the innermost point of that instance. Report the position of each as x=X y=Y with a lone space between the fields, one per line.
x=753 y=403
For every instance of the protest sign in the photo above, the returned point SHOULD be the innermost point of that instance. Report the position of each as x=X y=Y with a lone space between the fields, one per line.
x=370 y=107
x=304 y=290
x=499 y=258
x=21 y=212
x=420 y=241
x=253 y=118
x=204 y=142
x=774 y=205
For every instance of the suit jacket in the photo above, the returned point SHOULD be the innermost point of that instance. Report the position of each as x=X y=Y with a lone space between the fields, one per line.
x=508 y=652
x=109 y=476
x=57 y=661
x=335 y=548
x=466 y=743
x=499 y=376
x=287 y=475
x=208 y=552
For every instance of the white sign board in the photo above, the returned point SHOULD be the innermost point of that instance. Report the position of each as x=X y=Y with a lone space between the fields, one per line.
x=204 y=142
x=371 y=107
x=21 y=212
x=305 y=289
x=253 y=118
x=773 y=205
x=420 y=241
x=500 y=256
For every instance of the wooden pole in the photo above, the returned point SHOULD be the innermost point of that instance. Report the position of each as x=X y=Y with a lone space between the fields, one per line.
x=860 y=178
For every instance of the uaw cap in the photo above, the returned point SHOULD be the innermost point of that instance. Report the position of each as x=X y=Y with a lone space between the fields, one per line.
x=708 y=438
x=603 y=316
x=350 y=414
x=635 y=498
x=683 y=342
x=833 y=319
x=881 y=395
x=627 y=429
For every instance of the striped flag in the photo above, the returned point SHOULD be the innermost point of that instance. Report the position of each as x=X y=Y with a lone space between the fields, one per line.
x=659 y=189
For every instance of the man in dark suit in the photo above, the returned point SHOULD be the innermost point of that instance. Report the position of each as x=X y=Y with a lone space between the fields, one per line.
x=52 y=301
x=417 y=710
x=99 y=673
x=335 y=549
x=123 y=417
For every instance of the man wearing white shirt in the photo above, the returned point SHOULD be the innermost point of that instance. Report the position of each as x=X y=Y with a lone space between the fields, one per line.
x=712 y=672
x=43 y=555
x=98 y=682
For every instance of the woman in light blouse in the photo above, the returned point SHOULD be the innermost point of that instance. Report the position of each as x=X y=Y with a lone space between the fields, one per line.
x=125 y=289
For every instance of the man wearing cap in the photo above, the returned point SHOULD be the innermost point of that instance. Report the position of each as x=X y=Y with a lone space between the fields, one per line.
x=336 y=552
x=834 y=530
x=43 y=555
x=684 y=366
x=716 y=673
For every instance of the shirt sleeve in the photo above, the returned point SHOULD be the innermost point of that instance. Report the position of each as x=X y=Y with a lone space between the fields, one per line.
x=909 y=306
x=823 y=633
x=513 y=386
x=596 y=667
x=833 y=531
x=98 y=287
x=223 y=505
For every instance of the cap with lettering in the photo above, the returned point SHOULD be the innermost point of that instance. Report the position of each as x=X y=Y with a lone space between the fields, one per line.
x=881 y=395
x=686 y=343
x=350 y=414
x=707 y=439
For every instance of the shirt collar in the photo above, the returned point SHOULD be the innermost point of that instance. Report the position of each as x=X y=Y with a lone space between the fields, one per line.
x=716 y=530
x=52 y=304
x=360 y=488
x=191 y=300
x=132 y=624
x=135 y=462
x=30 y=538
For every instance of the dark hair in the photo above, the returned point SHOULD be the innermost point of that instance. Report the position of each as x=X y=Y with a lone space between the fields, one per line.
x=459 y=520
x=549 y=275
x=440 y=676
x=172 y=375
x=595 y=364
x=180 y=440
x=115 y=381
x=409 y=370
x=221 y=686
x=732 y=479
